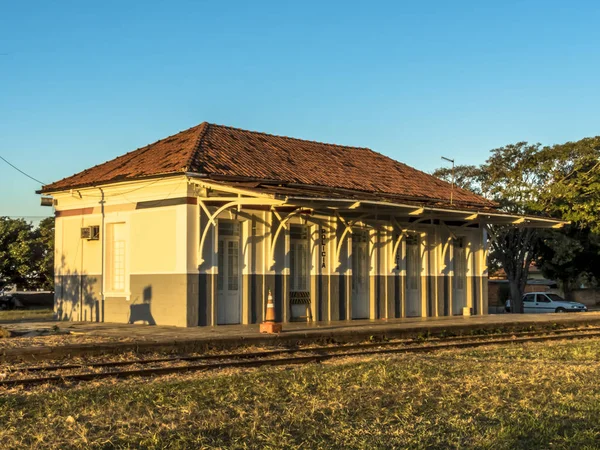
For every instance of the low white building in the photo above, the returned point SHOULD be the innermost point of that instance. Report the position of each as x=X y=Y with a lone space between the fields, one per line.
x=196 y=228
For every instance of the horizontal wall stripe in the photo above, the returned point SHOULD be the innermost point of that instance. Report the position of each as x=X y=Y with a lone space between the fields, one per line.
x=94 y=210
x=167 y=202
x=75 y=212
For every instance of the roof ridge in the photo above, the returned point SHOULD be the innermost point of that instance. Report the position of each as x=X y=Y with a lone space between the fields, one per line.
x=288 y=137
x=197 y=146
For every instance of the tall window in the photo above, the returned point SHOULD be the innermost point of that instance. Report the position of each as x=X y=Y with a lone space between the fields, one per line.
x=115 y=258
x=233 y=253
x=299 y=263
x=228 y=276
x=460 y=263
x=413 y=263
x=360 y=259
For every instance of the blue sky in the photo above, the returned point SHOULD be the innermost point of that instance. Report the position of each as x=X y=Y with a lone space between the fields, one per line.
x=84 y=82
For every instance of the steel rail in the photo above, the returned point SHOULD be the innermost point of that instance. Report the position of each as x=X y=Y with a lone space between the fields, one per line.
x=258 y=362
x=267 y=353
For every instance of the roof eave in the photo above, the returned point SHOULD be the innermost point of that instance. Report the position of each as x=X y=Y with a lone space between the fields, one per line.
x=482 y=216
x=345 y=191
x=46 y=191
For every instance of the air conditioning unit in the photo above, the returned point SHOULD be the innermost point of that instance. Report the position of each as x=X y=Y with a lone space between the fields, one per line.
x=91 y=233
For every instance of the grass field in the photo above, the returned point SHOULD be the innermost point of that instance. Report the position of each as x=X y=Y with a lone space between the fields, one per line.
x=33 y=314
x=543 y=395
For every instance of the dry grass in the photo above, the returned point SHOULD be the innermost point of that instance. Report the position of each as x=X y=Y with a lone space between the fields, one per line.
x=26 y=314
x=59 y=340
x=542 y=395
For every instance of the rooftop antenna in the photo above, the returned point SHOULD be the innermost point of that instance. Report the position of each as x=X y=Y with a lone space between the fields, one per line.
x=452 y=188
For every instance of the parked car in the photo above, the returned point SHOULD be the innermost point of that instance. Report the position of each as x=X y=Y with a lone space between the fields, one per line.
x=541 y=302
x=10 y=302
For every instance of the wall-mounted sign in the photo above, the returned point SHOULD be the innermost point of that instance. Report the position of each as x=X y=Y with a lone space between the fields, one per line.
x=323 y=253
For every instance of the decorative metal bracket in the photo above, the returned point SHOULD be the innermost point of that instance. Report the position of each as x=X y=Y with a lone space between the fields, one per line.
x=282 y=225
x=233 y=202
x=347 y=229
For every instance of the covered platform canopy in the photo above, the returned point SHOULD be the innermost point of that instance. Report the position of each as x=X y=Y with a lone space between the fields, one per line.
x=351 y=208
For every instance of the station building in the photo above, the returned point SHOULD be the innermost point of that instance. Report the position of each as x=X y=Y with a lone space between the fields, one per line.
x=197 y=228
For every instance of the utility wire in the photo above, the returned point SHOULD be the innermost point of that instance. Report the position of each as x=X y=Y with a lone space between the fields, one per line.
x=19 y=170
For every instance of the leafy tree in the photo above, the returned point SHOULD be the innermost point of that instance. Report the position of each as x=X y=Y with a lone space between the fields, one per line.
x=14 y=250
x=26 y=253
x=570 y=256
x=44 y=254
x=572 y=181
x=571 y=191
x=511 y=178
x=465 y=177
x=562 y=181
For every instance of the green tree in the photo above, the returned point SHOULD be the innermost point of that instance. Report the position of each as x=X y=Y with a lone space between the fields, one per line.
x=562 y=181
x=572 y=181
x=512 y=179
x=43 y=244
x=571 y=191
x=465 y=177
x=26 y=253
x=570 y=256
x=15 y=251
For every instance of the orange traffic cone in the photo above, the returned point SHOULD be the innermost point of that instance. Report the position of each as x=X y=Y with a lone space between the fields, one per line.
x=269 y=325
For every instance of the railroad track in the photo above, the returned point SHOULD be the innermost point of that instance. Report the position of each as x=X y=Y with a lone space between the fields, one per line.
x=278 y=357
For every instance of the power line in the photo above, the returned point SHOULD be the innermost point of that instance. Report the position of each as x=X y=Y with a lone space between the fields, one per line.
x=19 y=170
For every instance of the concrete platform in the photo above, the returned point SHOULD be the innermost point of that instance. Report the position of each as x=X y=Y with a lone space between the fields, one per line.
x=146 y=338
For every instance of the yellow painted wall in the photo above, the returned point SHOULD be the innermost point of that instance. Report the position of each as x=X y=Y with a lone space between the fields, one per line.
x=158 y=254
x=162 y=254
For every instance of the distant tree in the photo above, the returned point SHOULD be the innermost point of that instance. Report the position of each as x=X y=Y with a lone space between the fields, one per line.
x=572 y=181
x=15 y=251
x=570 y=256
x=43 y=265
x=571 y=191
x=26 y=253
x=511 y=178
x=466 y=177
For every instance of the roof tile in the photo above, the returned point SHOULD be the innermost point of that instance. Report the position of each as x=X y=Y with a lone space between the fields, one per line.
x=217 y=150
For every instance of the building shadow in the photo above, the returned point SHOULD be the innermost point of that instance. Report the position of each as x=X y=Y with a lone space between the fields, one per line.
x=141 y=312
x=76 y=296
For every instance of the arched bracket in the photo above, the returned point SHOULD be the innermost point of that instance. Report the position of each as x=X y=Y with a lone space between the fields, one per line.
x=469 y=253
x=402 y=232
x=237 y=202
x=347 y=229
x=211 y=221
x=283 y=225
x=444 y=251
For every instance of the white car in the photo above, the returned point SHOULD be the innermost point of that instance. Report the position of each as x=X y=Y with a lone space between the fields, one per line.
x=541 y=302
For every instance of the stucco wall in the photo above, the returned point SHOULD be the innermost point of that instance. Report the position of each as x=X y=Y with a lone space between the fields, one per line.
x=158 y=258
x=172 y=278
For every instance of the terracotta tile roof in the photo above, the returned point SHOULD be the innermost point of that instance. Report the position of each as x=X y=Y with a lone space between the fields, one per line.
x=223 y=152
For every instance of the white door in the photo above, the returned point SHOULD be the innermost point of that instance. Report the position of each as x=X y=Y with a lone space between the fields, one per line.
x=299 y=272
x=459 y=281
x=412 y=288
x=228 y=281
x=360 y=276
